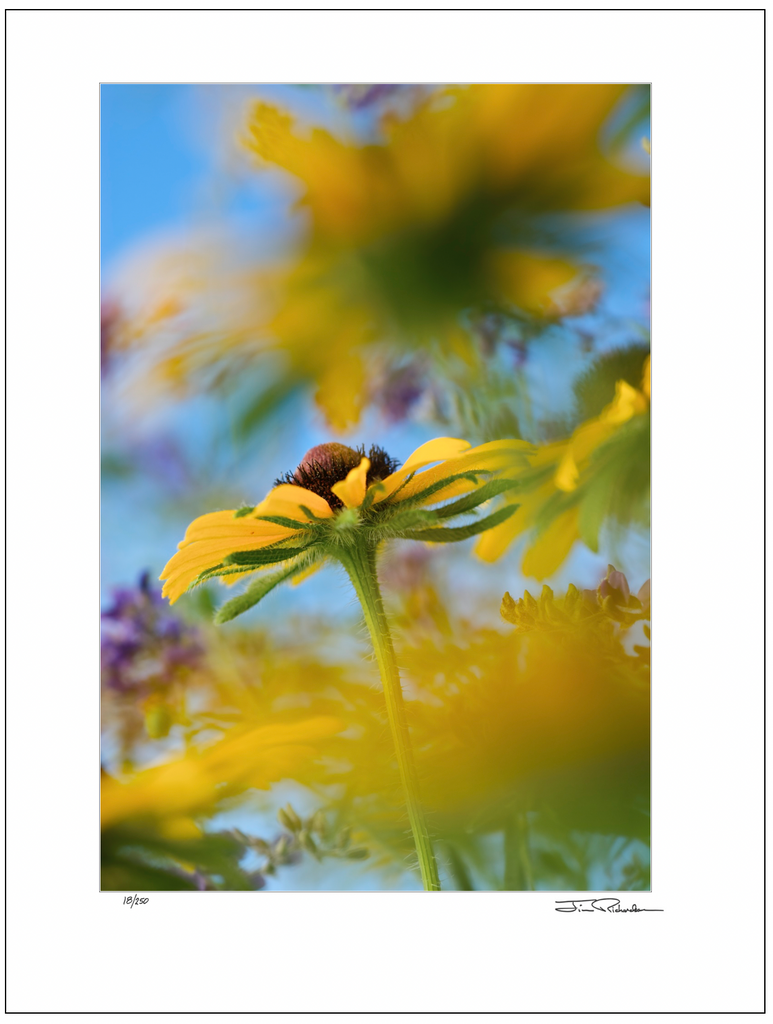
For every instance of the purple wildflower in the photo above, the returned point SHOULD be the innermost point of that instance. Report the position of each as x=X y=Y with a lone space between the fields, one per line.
x=144 y=645
x=359 y=96
x=400 y=392
x=109 y=320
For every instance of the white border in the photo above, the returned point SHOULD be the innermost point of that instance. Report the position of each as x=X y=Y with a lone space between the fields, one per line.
x=72 y=949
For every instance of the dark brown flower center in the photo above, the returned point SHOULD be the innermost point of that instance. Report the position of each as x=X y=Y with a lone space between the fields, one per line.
x=327 y=464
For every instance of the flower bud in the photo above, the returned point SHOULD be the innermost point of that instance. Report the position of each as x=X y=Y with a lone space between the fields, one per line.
x=289 y=818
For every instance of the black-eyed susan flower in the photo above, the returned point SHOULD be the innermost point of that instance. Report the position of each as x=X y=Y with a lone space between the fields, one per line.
x=340 y=504
x=340 y=499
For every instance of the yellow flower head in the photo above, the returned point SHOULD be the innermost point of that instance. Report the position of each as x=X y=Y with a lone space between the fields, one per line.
x=338 y=497
x=573 y=485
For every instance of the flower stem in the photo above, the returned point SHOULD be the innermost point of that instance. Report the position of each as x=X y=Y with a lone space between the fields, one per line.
x=360 y=563
x=518 y=873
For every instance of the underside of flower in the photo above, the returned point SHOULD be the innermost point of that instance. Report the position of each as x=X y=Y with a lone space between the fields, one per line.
x=328 y=464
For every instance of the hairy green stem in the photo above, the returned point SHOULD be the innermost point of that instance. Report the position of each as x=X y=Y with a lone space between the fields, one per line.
x=360 y=563
x=518 y=873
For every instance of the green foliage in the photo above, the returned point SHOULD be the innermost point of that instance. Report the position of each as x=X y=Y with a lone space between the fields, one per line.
x=619 y=481
x=291 y=524
x=595 y=388
x=263 y=556
x=479 y=495
x=256 y=591
x=441 y=535
x=137 y=856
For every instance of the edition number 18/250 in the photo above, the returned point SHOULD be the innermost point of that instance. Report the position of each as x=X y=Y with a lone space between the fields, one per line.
x=134 y=900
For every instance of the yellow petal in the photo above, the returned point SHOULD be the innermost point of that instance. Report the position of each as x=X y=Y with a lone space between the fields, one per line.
x=340 y=395
x=314 y=567
x=255 y=757
x=567 y=473
x=490 y=457
x=351 y=491
x=211 y=538
x=458 y=457
x=217 y=525
x=492 y=544
x=183 y=568
x=286 y=500
x=646 y=385
x=528 y=280
x=435 y=450
x=626 y=403
x=432 y=451
x=552 y=546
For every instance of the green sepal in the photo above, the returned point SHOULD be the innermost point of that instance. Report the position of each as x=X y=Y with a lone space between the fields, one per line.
x=471 y=475
x=310 y=515
x=245 y=510
x=263 y=556
x=291 y=524
x=214 y=573
x=403 y=484
x=471 y=501
x=410 y=519
x=257 y=590
x=370 y=495
x=447 y=534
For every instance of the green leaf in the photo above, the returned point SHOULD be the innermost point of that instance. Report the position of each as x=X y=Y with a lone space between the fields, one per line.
x=471 y=501
x=444 y=535
x=243 y=511
x=257 y=590
x=592 y=511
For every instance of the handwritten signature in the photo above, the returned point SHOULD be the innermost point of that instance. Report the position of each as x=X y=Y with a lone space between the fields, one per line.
x=608 y=904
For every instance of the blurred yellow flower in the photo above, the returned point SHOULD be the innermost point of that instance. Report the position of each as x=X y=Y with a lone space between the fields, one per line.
x=446 y=214
x=572 y=485
x=443 y=215
x=251 y=758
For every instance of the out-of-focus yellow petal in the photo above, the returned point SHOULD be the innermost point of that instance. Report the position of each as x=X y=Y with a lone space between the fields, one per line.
x=646 y=384
x=314 y=567
x=626 y=403
x=552 y=546
x=528 y=280
x=255 y=757
x=341 y=392
x=567 y=473
x=351 y=491
x=179 y=827
x=492 y=544
x=286 y=500
x=436 y=450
